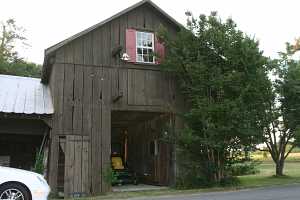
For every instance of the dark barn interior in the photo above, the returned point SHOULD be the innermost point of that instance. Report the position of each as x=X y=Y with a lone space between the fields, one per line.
x=138 y=138
x=19 y=144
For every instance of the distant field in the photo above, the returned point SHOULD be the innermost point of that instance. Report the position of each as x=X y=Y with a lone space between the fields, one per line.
x=295 y=156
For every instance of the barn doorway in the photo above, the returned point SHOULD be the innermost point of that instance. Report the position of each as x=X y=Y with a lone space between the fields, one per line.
x=138 y=140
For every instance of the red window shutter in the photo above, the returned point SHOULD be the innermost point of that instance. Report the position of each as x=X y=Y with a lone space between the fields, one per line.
x=159 y=50
x=131 y=44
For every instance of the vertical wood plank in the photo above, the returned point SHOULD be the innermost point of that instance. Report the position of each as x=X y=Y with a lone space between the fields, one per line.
x=78 y=99
x=106 y=42
x=114 y=40
x=148 y=18
x=58 y=97
x=69 y=165
x=53 y=162
x=78 y=164
x=98 y=47
x=85 y=165
x=96 y=132
x=131 y=20
x=60 y=55
x=140 y=17
x=122 y=33
x=68 y=53
x=78 y=52
x=139 y=87
x=87 y=99
x=87 y=121
x=68 y=98
x=106 y=124
x=88 y=49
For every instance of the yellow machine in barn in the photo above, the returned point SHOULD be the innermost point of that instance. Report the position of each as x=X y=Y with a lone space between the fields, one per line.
x=123 y=175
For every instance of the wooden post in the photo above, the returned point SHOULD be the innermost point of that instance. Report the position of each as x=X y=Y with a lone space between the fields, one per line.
x=53 y=163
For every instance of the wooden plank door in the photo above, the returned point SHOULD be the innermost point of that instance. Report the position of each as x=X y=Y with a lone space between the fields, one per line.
x=76 y=166
x=163 y=163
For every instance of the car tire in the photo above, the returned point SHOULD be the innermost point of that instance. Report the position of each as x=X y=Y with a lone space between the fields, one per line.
x=19 y=191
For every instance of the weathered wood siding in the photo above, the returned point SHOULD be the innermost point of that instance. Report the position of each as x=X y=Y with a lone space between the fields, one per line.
x=86 y=81
x=83 y=107
x=140 y=85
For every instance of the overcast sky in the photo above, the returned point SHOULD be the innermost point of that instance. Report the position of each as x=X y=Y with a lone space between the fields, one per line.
x=47 y=22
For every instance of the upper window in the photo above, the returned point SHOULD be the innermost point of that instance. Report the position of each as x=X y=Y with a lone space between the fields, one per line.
x=144 y=47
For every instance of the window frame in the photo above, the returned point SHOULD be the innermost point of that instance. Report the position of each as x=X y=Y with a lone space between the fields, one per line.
x=144 y=47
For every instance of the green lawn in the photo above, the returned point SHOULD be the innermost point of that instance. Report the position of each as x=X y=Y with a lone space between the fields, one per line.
x=266 y=178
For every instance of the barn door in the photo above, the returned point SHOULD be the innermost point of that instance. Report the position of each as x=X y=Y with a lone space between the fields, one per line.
x=76 y=166
x=163 y=163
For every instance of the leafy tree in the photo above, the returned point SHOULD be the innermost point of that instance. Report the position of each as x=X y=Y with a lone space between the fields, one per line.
x=282 y=125
x=10 y=61
x=10 y=34
x=222 y=74
x=21 y=68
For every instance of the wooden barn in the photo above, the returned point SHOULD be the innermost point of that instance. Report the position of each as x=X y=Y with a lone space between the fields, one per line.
x=108 y=92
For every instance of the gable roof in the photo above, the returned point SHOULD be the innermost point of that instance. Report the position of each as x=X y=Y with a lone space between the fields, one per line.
x=66 y=41
x=24 y=95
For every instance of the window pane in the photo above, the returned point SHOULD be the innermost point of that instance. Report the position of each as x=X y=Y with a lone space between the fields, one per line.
x=149 y=37
x=139 y=42
x=145 y=51
x=145 y=36
x=144 y=43
x=151 y=58
x=139 y=50
x=150 y=52
x=139 y=58
x=145 y=47
x=146 y=58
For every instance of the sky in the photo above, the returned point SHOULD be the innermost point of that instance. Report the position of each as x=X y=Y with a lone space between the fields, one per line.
x=47 y=22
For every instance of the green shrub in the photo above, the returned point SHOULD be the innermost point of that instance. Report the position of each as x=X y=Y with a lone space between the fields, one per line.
x=39 y=163
x=244 y=168
x=192 y=175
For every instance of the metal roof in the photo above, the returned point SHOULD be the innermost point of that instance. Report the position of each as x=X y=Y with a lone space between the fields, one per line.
x=24 y=95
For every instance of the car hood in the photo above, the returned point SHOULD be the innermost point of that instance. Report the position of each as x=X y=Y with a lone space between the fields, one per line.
x=15 y=171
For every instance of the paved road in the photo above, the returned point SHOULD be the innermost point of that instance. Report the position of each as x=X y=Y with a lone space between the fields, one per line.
x=291 y=192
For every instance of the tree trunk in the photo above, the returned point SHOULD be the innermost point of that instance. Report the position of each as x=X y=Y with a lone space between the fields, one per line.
x=279 y=168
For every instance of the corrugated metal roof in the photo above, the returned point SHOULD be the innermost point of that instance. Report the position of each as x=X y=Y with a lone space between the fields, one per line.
x=24 y=95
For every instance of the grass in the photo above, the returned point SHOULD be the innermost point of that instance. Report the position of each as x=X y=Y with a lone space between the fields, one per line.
x=263 y=179
x=266 y=176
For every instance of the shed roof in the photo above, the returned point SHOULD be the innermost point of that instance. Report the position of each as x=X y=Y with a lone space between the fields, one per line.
x=24 y=95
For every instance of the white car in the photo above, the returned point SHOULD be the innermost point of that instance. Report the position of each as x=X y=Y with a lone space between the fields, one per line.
x=17 y=184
